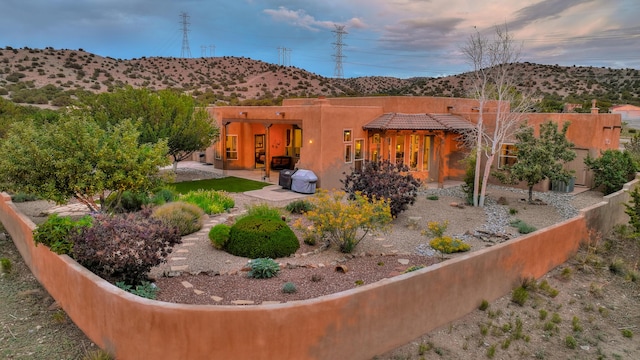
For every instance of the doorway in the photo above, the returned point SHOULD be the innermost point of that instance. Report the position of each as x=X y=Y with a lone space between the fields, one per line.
x=259 y=146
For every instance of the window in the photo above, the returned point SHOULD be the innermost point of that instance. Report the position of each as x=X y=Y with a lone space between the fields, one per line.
x=358 y=155
x=346 y=135
x=218 y=150
x=414 y=150
x=231 y=145
x=359 y=152
x=426 y=154
x=374 y=148
x=508 y=155
x=399 y=149
x=347 y=153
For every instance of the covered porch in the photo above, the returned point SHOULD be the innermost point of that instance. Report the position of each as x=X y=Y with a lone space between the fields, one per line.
x=429 y=144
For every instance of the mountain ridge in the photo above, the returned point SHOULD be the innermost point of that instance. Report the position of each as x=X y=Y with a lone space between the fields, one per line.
x=239 y=80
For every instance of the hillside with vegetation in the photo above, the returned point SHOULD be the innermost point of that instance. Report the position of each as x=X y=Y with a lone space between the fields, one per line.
x=51 y=77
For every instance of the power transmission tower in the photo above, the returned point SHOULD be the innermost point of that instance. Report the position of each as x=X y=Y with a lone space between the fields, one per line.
x=339 y=33
x=212 y=51
x=284 y=56
x=203 y=51
x=186 y=51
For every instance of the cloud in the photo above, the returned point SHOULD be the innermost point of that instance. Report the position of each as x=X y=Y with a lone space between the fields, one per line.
x=544 y=10
x=301 y=19
x=419 y=34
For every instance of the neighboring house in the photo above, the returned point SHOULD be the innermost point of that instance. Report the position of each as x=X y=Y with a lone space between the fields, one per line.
x=629 y=113
x=333 y=136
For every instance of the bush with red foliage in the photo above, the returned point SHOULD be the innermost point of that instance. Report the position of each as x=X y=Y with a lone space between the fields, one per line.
x=124 y=247
x=384 y=180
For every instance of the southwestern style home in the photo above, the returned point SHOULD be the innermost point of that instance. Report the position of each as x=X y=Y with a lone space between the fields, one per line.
x=332 y=136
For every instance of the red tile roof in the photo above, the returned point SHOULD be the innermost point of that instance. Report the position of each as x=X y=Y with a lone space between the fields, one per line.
x=399 y=121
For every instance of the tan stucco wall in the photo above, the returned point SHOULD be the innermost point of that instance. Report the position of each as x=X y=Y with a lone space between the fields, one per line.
x=355 y=324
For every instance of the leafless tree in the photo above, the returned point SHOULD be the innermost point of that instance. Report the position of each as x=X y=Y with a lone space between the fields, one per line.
x=493 y=80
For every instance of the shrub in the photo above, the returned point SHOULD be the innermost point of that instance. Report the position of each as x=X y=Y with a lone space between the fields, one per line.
x=5 y=265
x=57 y=232
x=22 y=197
x=258 y=237
x=263 y=268
x=289 y=288
x=413 y=268
x=211 y=201
x=188 y=218
x=432 y=197
x=449 y=245
x=383 y=181
x=627 y=333
x=469 y=176
x=520 y=295
x=146 y=289
x=163 y=196
x=611 y=170
x=125 y=202
x=436 y=229
x=338 y=221
x=219 y=235
x=570 y=342
x=484 y=305
x=523 y=227
x=299 y=206
x=633 y=210
x=124 y=247
x=264 y=210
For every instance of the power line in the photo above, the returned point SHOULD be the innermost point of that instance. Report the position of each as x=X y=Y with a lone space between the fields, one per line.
x=186 y=51
x=338 y=56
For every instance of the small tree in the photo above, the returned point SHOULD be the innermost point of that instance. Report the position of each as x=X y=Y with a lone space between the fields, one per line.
x=163 y=115
x=384 y=181
x=338 y=220
x=611 y=170
x=633 y=148
x=633 y=210
x=74 y=157
x=493 y=79
x=540 y=158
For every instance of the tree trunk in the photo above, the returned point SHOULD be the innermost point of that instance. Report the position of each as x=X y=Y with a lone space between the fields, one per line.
x=485 y=178
x=530 y=194
x=476 y=177
x=89 y=202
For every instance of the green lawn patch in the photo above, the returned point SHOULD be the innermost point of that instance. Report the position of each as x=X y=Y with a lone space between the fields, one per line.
x=229 y=184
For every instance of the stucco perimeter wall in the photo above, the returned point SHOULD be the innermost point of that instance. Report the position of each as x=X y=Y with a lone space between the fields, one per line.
x=356 y=324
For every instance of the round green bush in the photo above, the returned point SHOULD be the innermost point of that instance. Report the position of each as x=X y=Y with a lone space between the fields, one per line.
x=260 y=237
x=188 y=218
x=219 y=235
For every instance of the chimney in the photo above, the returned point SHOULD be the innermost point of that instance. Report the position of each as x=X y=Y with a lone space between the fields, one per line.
x=594 y=109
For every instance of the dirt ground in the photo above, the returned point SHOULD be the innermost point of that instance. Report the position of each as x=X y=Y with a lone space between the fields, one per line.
x=594 y=315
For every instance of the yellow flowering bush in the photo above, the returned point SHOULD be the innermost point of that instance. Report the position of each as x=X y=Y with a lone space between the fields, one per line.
x=441 y=243
x=338 y=220
x=448 y=245
x=437 y=229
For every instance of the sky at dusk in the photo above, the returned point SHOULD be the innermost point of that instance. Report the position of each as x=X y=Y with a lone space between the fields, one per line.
x=399 y=38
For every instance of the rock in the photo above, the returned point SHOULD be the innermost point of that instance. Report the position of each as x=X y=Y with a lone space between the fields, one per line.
x=342 y=268
x=243 y=302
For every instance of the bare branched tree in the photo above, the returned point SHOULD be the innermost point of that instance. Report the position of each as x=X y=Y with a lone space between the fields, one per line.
x=493 y=80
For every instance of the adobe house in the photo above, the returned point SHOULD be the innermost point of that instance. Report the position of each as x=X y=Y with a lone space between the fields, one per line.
x=332 y=136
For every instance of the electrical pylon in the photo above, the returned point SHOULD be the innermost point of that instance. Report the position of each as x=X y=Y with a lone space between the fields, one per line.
x=338 y=56
x=186 y=51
